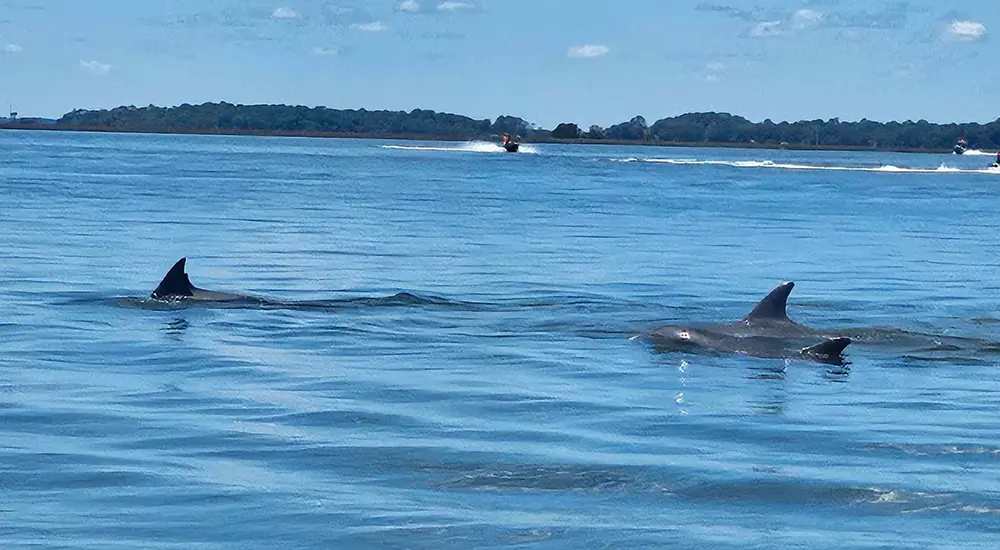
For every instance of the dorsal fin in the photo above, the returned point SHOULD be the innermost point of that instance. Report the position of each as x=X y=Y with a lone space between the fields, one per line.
x=175 y=282
x=773 y=305
x=831 y=349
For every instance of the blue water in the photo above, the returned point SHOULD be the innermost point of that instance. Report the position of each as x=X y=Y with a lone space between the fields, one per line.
x=474 y=381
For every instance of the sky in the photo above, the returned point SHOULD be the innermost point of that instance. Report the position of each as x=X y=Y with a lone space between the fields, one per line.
x=549 y=61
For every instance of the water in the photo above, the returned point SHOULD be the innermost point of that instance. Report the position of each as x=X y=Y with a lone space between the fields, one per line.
x=472 y=381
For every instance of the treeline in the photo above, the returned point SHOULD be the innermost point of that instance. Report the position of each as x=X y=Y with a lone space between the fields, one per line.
x=692 y=128
x=290 y=119
x=724 y=128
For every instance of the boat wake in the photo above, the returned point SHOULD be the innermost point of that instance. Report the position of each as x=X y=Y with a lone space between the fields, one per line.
x=469 y=147
x=977 y=153
x=942 y=169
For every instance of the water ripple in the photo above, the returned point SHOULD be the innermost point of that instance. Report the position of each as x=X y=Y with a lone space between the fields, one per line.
x=440 y=353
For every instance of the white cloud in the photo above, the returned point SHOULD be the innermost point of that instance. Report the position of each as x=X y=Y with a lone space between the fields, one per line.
x=715 y=72
x=320 y=50
x=12 y=48
x=284 y=13
x=374 y=26
x=801 y=20
x=966 y=31
x=806 y=19
x=588 y=51
x=766 y=29
x=409 y=6
x=95 y=67
x=340 y=10
x=455 y=6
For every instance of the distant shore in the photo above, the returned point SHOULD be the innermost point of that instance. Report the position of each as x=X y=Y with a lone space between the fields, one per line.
x=420 y=137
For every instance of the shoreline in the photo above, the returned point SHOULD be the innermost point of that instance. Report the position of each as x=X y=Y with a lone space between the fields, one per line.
x=418 y=137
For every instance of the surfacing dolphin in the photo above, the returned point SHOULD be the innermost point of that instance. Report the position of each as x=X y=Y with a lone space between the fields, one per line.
x=765 y=332
x=176 y=289
x=176 y=286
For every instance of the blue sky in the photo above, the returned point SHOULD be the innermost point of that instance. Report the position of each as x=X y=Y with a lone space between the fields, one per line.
x=586 y=61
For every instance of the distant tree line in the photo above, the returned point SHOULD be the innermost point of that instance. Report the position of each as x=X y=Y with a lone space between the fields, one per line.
x=692 y=128
x=724 y=128
x=286 y=118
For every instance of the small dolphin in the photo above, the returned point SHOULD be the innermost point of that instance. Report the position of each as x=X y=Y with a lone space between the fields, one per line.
x=176 y=289
x=176 y=285
x=765 y=332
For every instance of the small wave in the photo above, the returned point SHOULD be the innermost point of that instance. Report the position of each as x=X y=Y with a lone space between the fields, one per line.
x=917 y=449
x=885 y=168
x=470 y=147
x=536 y=478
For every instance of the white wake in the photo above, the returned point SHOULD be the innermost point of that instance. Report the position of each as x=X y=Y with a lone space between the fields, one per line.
x=768 y=164
x=978 y=153
x=468 y=147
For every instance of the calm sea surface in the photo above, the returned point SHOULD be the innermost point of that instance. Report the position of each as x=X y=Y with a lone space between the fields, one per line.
x=472 y=380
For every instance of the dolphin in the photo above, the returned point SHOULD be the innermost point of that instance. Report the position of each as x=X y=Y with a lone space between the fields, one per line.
x=177 y=286
x=176 y=289
x=765 y=332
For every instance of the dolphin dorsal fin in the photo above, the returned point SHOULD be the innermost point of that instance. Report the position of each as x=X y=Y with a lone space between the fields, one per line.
x=830 y=349
x=773 y=305
x=175 y=282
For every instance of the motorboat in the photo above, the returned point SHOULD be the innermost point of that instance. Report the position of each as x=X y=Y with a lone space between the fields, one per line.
x=509 y=143
x=961 y=147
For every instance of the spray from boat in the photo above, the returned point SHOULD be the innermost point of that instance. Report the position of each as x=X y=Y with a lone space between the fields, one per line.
x=468 y=147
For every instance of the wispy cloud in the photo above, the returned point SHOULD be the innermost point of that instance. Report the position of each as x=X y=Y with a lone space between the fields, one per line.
x=771 y=22
x=800 y=20
x=893 y=15
x=325 y=52
x=374 y=26
x=284 y=13
x=409 y=6
x=338 y=15
x=445 y=35
x=12 y=48
x=966 y=31
x=428 y=6
x=588 y=51
x=806 y=19
x=907 y=71
x=735 y=13
x=454 y=6
x=95 y=67
x=714 y=72
x=766 y=29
